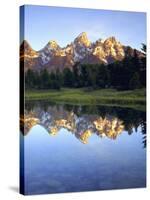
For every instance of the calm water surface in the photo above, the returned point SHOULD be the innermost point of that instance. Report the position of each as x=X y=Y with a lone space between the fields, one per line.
x=83 y=148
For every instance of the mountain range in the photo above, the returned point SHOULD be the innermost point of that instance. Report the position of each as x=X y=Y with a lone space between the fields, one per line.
x=81 y=50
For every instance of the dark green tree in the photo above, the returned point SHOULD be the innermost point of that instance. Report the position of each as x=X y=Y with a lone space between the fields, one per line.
x=102 y=76
x=143 y=66
x=144 y=48
x=76 y=75
x=30 y=79
x=135 y=81
x=58 y=79
x=54 y=80
x=45 y=79
x=84 y=75
x=68 y=78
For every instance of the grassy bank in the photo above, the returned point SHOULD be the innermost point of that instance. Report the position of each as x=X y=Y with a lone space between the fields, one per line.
x=134 y=99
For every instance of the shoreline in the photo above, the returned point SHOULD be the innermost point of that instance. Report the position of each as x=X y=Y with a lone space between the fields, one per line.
x=135 y=99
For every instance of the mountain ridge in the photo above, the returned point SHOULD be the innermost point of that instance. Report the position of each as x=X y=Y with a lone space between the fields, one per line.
x=82 y=50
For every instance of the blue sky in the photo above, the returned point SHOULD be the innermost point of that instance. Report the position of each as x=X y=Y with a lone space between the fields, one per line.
x=44 y=23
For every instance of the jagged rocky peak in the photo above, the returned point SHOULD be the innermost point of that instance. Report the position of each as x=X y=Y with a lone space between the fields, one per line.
x=26 y=50
x=53 y=44
x=83 y=39
x=98 y=42
x=108 y=50
x=111 y=41
x=25 y=45
x=50 y=47
x=25 y=42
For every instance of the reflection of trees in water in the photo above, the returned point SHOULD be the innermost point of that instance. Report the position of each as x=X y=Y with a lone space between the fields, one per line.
x=89 y=117
x=143 y=125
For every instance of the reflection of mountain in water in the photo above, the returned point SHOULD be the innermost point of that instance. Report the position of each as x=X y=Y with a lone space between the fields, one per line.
x=84 y=121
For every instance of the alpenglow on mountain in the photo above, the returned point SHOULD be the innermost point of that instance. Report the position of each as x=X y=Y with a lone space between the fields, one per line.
x=81 y=50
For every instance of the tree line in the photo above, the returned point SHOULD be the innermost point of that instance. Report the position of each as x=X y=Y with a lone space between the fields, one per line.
x=130 y=73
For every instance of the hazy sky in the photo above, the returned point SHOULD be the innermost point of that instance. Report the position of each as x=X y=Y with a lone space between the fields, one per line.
x=44 y=23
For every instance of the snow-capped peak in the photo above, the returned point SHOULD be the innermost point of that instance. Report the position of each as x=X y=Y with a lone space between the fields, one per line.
x=53 y=44
x=83 y=39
